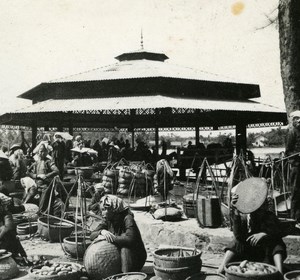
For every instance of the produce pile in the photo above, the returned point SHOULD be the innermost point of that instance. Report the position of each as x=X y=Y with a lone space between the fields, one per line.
x=48 y=269
x=254 y=268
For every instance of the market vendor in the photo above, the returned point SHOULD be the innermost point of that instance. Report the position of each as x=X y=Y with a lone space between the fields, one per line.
x=100 y=191
x=17 y=162
x=164 y=175
x=8 y=237
x=293 y=152
x=43 y=172
x=6 y=172
x=257 y=235
x=119 y=227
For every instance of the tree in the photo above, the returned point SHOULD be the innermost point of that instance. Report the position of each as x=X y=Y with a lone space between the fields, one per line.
x=289 y=41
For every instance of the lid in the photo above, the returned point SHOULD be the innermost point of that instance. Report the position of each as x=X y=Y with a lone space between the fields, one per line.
x=252 y=193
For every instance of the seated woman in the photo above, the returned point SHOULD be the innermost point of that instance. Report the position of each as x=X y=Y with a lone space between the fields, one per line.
x=119 y=227
x=8 y=237
x=257 y=237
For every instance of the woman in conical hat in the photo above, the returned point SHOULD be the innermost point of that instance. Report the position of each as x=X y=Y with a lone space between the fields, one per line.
x=257 y=233
x=119 y=227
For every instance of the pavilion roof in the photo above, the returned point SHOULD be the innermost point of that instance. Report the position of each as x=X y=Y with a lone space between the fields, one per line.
x=146 y=102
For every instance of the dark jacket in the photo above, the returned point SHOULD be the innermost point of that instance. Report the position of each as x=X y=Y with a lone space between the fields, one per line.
x=293 y=145
x=127 y=236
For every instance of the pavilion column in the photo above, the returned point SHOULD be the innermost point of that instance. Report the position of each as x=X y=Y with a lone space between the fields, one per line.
x=241 y=138
x=132 y=138
x=197 y=135
x=33 y=134
x=156 y=141
x=71 y=127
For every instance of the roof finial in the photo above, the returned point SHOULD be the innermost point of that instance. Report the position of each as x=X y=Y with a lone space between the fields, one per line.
x=142 y=42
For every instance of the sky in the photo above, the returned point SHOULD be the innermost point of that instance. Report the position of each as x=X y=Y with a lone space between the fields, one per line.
x=42 y=40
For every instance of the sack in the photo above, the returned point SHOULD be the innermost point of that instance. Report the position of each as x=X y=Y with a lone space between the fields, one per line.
x=168 y=214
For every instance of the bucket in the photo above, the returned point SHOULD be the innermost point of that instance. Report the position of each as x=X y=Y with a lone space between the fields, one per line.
x=208 y=211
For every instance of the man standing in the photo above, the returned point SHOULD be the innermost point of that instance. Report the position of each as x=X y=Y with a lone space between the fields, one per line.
x=59 y=153
x=293 y=150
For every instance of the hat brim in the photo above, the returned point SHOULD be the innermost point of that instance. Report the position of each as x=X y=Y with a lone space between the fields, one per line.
x=252 y=193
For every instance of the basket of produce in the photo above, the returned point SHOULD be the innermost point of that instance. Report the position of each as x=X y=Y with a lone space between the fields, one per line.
x=8 y=267
x=292 y=275
x=54 y=229
x=128 y=276
x=206 y=276
x=178 y=273
x=251 y=270
x=56 y=271
x=76 y=248
x=27 y=228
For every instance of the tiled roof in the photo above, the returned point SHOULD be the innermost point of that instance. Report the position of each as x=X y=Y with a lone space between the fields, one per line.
x=146 y=102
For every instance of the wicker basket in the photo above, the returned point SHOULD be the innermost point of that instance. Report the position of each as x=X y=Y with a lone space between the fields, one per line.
x=128 y=276
x=179 y=273
x=177 y=257
x=291 y=275
x=26 y=228
x=102 y=259
x=55 y=230
x=206 y=276
x=70 y=276
x=76 y=249
x=241 y=276
x=8 y=267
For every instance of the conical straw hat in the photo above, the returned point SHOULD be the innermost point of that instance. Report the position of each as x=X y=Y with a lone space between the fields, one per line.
x=252 y=193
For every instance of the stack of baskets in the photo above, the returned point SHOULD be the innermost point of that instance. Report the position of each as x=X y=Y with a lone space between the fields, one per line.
x=110 y=179
x=125 y=178
x=176 y=263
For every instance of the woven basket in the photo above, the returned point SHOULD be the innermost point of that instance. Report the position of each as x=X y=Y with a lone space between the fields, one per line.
x=177 y=257
x=175 y=273
x=241 y=276
x=76 y=249
x=26 y=228
x=8 y=267
x=70 y=276
x=128 y=276
x=206 y=276
x=102 y=259
x=291 y=275
x=54 y=230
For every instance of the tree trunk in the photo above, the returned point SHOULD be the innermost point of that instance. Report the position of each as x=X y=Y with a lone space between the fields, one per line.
x=289 y=37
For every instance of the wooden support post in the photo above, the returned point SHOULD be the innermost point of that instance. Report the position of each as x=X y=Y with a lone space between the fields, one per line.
x=33 y=134
x=241 y=138
x=197 y=136
x=132 y=138
x=71 y=127
x=156 y=142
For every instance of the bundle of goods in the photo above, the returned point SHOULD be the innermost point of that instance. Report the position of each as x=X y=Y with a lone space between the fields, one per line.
x=128 y=276
x=245 y=269
x=61 y=270
x=125 y=179
x=189 y=205
x=102 y=259
x=110 y=179
x=142 y=183
x=292 y=275
x=176 y=263
x=8 y=267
